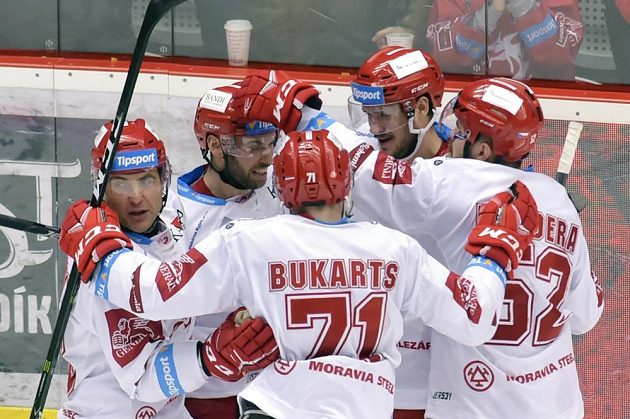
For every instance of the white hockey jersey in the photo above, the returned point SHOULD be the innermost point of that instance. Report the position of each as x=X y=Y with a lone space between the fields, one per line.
x=123 y=366
x=194 y=216
x=412 y=376
x=338 y=293
x=528 y=368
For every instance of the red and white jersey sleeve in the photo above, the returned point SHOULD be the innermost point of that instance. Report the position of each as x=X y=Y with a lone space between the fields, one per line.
x=530 y=356
x=219 y=274
x=125 y=366
x=196 y=215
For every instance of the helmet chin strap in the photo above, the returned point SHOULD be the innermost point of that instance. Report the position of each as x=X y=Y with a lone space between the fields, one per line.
x=420 y=134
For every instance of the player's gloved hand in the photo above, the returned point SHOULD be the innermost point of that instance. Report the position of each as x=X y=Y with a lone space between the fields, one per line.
x=271 y=96
x=89 y=234
x=506 y=227
x=233 y=350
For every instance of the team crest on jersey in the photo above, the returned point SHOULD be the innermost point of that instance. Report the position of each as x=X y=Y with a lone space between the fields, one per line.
x=465 y=294
x=478 y=376
x=129 y=334
x=172 y=276
x=70 y=414
x=145 y=412
x=391 y=171
x=284 y=367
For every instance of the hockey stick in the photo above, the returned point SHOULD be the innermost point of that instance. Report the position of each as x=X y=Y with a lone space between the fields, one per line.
x=28 y=226
x=155 y=11
x=566 y=161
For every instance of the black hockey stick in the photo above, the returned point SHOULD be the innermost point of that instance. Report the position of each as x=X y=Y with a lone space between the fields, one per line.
x=28 y=226
x=566 y=161
x=155 y=11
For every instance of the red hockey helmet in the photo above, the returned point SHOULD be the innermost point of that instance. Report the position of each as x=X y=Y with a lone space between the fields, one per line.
x=139 y=149
x=215 y=115
x=396 y=75
x=505 y=110
x=311 y=168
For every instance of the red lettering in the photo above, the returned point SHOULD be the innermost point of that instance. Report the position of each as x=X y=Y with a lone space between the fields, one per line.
x=376 y=266
x=572 y=240
x=391 y=275
x=357 y=274
x=562 y=228
x=338 y=274
x=317 y=279
x=540 y=231
x=277 y=276
x=550 y=237
x=297 y=274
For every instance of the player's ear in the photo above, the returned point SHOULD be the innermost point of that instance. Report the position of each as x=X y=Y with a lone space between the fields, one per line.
x=485 y=152
x=423 y=106
x=216 y=152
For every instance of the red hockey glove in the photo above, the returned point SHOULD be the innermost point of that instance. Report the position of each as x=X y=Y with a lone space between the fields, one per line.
x=271 y=96
x=506 y=227
x=232 y=351
x=89 y=234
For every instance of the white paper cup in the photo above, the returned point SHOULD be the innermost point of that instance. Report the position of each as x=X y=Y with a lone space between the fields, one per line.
x=400 y=39
x=237 y=35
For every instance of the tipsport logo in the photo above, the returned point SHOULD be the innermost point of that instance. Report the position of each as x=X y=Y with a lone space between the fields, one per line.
x=259 y=127
x=368 y=95
x=136 y=159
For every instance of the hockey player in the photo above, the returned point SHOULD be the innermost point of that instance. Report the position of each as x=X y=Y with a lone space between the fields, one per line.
x=400 y=102
x=330 y=304
x=123 y=366
x=234 y=183
x=528 y=368
x=397 y=93
x=524 y=38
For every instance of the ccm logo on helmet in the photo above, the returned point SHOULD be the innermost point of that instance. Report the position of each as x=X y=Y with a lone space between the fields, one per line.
x=368 y=95
x=420 y=88
x=136 y=159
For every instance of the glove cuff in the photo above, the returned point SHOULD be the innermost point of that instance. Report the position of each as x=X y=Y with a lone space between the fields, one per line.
x=200 y=348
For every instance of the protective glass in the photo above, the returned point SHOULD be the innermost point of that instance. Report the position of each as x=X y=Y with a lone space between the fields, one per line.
x=376 y=119
x=249 y=146
x=137 y=185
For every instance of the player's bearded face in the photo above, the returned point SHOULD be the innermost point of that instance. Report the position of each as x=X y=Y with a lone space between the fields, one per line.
x=389 y=125
x=248 y=172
